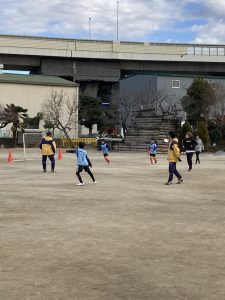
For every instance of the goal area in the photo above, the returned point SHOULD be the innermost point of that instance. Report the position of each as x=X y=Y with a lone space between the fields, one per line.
x=30 y=140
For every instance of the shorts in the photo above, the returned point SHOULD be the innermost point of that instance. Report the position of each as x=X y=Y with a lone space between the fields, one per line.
x=105 y=154
x=81 y=168
x=151 y=154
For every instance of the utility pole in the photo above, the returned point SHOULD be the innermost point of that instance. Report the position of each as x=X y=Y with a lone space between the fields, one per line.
x=76 y=102
x=89 y=28
x=117 y=21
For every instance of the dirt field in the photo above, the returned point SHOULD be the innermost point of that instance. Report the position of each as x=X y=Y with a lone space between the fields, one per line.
x=129 y=237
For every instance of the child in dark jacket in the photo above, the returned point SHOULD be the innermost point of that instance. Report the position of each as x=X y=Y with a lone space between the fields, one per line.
x=189 y=145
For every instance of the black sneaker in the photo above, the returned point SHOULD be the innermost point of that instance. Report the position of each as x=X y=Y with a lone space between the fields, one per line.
x=44 y=170
x=52 y=170
x=168 y=183
x=180 y=181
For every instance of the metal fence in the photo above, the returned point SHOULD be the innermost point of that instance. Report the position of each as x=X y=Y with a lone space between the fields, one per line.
x=76 y=141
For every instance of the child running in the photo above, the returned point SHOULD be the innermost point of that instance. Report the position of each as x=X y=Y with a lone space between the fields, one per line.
x=105 y=150
x=173 y=158
x=83 y=163
x=152 y=151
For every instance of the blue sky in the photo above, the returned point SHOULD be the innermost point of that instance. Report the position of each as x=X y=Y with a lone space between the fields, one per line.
x=182 y=21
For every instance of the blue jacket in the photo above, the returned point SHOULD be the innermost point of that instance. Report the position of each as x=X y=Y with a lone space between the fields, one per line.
x=82 y=158
x=153 y=148
x=105 y=148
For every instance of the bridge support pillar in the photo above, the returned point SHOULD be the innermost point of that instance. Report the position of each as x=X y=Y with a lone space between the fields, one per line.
x=90 y=89
x=115 y=92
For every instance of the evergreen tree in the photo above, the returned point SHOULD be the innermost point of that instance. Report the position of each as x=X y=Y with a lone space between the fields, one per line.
x=90 y=112
x=202 y=131
x=200 y=97
x=13 y=114
x=110 y=118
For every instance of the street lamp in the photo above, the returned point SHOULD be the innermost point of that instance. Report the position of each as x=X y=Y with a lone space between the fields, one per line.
x=89 y=28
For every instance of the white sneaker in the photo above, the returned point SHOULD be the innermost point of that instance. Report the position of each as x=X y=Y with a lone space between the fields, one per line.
x=95 y=182
x=80 y=184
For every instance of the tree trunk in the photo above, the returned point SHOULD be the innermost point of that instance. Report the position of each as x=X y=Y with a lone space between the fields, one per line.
x=90 y=130
x=67 y=136
x=69 y=139
x=124 y=128
x=14 y=132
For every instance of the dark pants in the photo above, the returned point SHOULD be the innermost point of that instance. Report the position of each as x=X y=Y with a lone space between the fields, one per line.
x=173 y=170
x=197 y=156
x=86 y=169
x=52 y=159
x=189 y=159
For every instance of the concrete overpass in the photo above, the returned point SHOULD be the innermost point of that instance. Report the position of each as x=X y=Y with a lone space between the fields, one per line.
x=107 y=61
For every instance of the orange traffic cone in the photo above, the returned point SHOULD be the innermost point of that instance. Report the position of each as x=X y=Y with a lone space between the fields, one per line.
x=60 y=154
x=10 y=158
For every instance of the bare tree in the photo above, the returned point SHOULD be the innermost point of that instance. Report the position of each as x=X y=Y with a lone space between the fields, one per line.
x=167 y=105
x=158 y=102
x=127 y=106
x=60 y=110
x=147 y=97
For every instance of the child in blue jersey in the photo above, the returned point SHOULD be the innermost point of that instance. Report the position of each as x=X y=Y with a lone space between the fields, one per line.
x=105 y=151
x=83 y=163
x=152 y=151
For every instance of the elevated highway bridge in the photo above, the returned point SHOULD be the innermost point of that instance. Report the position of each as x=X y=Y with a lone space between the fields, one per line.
x=107 y=61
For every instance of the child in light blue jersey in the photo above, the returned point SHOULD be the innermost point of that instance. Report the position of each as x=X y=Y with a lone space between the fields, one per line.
x=105 y=151
x=83 y=163
x=152 y=151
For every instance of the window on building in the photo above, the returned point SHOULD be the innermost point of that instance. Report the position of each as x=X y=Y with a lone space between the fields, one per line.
x=175 y=84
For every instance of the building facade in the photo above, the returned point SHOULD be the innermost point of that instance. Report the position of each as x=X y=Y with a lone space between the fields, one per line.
x=159 y=93
x=30 y=92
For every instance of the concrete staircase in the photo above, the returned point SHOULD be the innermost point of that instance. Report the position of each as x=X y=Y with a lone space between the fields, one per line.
x=146 y=127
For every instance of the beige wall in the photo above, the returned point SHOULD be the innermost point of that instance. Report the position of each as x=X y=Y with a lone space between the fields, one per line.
x=31 y=97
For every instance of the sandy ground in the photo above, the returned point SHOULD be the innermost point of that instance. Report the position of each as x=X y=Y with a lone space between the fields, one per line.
x=129 y=237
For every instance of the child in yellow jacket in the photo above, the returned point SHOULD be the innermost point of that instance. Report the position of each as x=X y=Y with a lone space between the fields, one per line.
x=173 y=158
